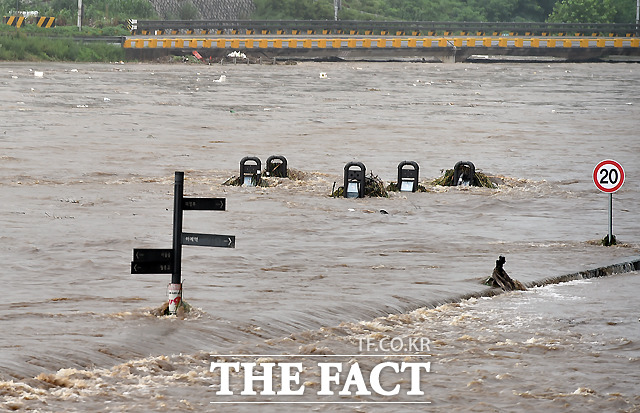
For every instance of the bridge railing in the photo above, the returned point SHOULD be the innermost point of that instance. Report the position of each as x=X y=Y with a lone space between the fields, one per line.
x=396 y=28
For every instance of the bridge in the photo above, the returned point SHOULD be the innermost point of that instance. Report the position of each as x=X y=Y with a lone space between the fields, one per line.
x=367 y=28
x=445 y=49
x=444 y=41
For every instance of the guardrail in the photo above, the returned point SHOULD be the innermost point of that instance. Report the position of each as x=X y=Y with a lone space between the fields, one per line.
x=101 y=39
x=397 y=28
x=313 y=43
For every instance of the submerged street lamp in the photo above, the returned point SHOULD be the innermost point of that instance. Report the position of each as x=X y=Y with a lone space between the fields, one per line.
x=250 y=167
x=408 y=177
x=354 y=179
x=464 y=173
x=276 y=166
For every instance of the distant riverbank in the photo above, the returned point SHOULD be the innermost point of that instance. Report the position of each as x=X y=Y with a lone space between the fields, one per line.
x=17 y=46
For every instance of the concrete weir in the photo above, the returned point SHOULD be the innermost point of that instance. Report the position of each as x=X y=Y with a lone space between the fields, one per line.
x=619 y=267
x=622 y=266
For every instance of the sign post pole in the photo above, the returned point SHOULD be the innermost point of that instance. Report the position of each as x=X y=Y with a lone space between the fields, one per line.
x=177 y=228
x=608 y=176
x=610 y=218
x=175 y=288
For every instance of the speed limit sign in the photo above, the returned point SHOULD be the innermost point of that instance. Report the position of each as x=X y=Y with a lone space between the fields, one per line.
x=608 y=176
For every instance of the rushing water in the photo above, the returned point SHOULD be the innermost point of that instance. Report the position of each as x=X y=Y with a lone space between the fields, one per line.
x=88 y=155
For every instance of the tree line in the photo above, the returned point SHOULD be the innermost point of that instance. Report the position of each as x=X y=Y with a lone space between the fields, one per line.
x=561 y=11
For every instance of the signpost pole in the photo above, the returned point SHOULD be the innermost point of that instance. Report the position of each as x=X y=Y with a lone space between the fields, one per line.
x=175 y=288
x=177 y=228
x=610 y=218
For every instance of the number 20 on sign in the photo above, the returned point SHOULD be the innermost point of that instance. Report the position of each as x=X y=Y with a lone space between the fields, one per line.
x=608 y=176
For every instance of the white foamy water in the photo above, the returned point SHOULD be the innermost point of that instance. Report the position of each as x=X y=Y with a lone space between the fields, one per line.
x=88 y=155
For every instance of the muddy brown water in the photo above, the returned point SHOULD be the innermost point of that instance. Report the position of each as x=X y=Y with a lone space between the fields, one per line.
x=87 y=162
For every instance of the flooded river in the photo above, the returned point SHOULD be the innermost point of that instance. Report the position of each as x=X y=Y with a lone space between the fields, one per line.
x=88 y=154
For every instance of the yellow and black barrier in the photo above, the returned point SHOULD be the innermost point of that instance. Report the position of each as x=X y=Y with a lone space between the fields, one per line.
x=19 y=21
x=46 y=22
x=16 y=21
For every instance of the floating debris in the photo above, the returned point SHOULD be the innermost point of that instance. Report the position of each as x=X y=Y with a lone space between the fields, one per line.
x=237 y=54
x=239 y=181
x=480 y=179
x=606 y=243
x=373 y=187
x=267 y=181
x=183 y=309
x=393 y=187
x=297 y=175
x=501 y=279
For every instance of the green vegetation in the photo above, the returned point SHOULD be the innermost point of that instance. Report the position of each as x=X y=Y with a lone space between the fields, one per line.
x=111 y=13
x=287 y=9
x=594 y=11
x=448 y=10
x=567 y=11
x=102 y=18
x=97 y=13
x=64 y=31
x=187 y=11
x=18 y=46
x=480 y=179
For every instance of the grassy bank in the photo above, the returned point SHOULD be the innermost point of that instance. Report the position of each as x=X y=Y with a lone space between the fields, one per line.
x=17 y=46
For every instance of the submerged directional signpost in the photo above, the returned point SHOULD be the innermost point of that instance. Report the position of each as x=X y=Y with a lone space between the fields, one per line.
x=608 y=176
x=169 y=261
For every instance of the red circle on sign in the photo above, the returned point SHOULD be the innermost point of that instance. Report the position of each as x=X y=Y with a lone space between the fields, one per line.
x=608 y=176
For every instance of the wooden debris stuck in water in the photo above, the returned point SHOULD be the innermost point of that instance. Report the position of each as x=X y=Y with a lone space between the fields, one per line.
x=500 y=278
x=267 y=181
